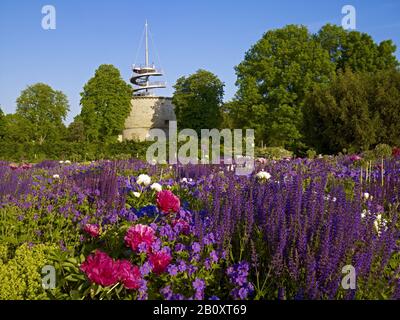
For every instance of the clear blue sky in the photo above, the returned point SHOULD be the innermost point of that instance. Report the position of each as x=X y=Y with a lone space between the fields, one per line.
x=188 y=35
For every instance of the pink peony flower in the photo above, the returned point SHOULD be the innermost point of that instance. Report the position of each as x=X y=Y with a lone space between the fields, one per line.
x=129 y=275
x=92 y=229
x=139 y=234
x=101 y=269
x=160 y=261
x=168 y=202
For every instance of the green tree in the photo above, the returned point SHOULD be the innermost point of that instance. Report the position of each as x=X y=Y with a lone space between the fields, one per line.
x=105 y=104
x=356 y=50
x=385 y=101
x=76 y=130
x=273 y=79
x=338 y=116
x=44 y=109
x=198 y=100
x=18 y=129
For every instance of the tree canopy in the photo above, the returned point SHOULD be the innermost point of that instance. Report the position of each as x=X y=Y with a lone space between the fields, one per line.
x=355 y=112
x=280 y=70
x=356 y=50
x=41 y=110
x=273 y=79
x=105 y=104
x=198 y=100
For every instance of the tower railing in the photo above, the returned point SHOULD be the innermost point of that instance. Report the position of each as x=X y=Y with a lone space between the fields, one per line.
x=143 y=72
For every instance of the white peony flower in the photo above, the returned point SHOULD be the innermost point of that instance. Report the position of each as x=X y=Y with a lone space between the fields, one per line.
x=144 y=179
x=136 y=194
x=156 y=186
x=60 y=162
x=67 y=162
x=366 y=195
x=56 y=176
x=263 y=175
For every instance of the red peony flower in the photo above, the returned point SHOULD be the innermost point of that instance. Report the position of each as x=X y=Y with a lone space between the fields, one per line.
x=160 y=261
x=92 y=229
x=101 y=269
x=139 y=234
x=129 y=275
x=168 y=202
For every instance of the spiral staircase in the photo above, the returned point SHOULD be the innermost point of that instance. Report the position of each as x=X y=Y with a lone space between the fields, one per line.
x=143 y=73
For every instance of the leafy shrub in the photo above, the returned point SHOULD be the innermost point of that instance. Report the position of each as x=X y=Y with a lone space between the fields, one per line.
x=311 y=153
x=275 y=153
x=20 y=276
x=383 y=150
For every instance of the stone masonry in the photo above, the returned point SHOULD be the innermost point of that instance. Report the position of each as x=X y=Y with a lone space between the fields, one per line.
x=148 y=112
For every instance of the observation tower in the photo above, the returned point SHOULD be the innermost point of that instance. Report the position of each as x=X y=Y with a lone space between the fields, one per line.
x=142 y=73
x=148 y=110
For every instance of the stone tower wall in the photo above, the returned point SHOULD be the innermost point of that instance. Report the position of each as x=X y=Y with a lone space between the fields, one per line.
x=148 y=112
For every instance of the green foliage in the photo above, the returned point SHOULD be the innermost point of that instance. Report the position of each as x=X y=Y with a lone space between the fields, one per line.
x=71 y=150
x=355 y=50
x=273 y=79
x=19 y=226
x=286 y=65
x=20 y=276
x=385 y=101
x=275 y=153
x=105 y=104
x=76 y=130
x=40 y=113
x=311 y=154
x=356 y=112
x=198 y=99
x=383 y=150
x=337 y=117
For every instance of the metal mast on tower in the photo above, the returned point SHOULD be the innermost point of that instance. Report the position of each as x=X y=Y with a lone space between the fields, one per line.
x=142 y=73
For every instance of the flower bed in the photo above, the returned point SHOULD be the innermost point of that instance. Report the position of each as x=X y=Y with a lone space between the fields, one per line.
x=129 y=230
